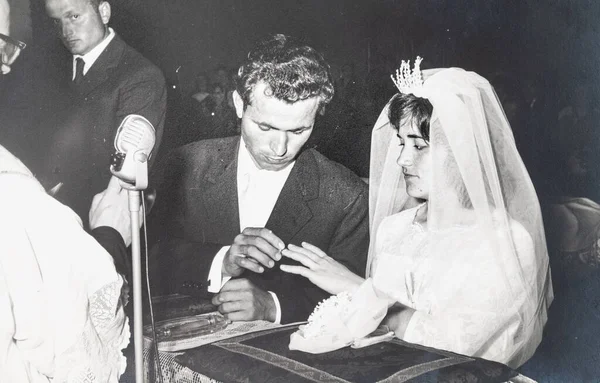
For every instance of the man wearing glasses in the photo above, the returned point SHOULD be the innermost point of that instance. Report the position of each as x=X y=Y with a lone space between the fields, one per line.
x=9 y=48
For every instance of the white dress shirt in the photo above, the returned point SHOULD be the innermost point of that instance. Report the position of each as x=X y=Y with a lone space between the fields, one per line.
x=258 y=191
x=90 y=58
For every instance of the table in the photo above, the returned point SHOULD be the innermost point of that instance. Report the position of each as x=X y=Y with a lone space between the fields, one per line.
x=262 y=355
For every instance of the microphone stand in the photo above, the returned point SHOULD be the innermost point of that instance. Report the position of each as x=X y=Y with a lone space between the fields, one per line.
x=134 y=193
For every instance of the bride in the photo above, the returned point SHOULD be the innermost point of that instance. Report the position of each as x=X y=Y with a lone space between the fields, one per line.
x=459 y=251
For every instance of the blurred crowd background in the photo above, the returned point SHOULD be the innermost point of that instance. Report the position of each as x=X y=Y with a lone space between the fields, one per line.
x=541 y=56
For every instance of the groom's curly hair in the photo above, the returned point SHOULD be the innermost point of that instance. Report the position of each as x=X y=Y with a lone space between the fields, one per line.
x=292 y=70
x=408 y=107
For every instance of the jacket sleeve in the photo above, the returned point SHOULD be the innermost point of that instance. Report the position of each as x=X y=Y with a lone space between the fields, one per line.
x=181 y=266
x=113 y=243
x=145 y=94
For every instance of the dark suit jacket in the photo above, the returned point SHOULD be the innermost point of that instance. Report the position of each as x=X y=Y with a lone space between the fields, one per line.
x=197 y=213
x=113 y=243
x=119 y=83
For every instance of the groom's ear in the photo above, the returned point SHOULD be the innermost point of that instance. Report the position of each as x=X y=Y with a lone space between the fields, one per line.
x=238 y=103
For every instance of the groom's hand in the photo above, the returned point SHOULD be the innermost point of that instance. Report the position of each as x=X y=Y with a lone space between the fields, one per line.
x=241 y=300
x=253 y=249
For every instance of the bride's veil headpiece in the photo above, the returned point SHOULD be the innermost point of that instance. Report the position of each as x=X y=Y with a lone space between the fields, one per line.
x=475 y=163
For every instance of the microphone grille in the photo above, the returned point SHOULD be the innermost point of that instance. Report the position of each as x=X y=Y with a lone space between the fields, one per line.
x=135 y=133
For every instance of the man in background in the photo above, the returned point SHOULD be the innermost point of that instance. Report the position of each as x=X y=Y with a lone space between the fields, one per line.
x=108 y=80
x=228 y=206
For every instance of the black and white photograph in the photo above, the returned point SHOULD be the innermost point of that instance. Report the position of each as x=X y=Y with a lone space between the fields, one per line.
x=249 y=191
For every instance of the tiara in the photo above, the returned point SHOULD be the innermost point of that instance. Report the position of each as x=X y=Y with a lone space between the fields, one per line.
x=407 y=81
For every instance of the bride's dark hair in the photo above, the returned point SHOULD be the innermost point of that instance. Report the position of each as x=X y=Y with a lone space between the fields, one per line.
x=417 y=109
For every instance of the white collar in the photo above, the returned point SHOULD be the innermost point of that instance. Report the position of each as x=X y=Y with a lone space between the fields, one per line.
x=91 y=57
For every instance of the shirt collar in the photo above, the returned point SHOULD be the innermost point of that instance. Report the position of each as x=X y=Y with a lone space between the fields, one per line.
x=91 y=57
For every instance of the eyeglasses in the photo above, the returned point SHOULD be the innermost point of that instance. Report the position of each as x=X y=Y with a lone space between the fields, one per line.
x=10 y=49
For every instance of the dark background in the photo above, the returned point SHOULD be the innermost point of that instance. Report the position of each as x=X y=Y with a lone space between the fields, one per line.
x=551 y=46
x=525 y=37
x=514 y=43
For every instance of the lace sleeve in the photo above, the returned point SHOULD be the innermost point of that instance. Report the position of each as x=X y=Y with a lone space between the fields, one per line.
x=97 y=356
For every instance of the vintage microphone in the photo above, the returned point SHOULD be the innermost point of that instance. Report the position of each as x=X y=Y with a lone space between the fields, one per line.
x=134 y=143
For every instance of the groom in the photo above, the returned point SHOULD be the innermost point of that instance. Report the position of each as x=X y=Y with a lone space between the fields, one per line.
x=228 y=206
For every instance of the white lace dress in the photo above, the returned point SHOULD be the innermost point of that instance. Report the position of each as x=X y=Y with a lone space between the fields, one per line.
x=458 y=291
x=61 y=310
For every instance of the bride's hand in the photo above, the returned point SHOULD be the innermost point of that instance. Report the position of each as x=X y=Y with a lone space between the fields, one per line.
x=320 y=269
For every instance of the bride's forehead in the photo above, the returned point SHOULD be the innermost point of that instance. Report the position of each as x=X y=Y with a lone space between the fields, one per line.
x=408 y=127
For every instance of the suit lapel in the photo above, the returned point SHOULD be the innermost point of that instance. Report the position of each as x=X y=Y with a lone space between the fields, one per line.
x=101 y=70
x=291 y=211
x=220 y=195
